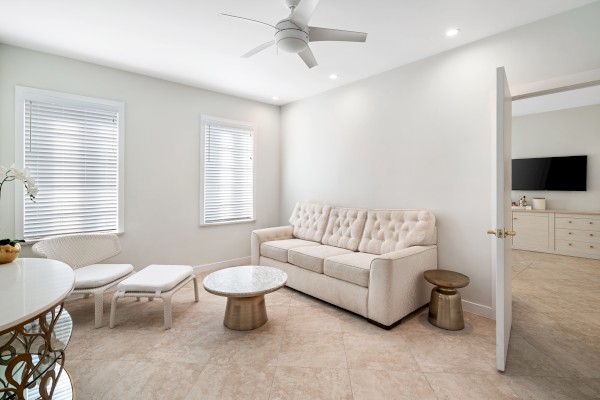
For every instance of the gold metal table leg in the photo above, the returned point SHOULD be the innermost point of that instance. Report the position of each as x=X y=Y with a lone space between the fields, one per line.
x=245 y=313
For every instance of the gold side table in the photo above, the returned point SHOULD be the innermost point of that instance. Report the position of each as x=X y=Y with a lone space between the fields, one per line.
x=445 y=306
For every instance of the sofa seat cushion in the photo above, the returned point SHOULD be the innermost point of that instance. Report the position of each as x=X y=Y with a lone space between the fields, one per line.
x=96 y=275
x=353 y=268
x=278 y=249
x=312 y=257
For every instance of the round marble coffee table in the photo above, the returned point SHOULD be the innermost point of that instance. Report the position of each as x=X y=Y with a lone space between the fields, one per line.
x=245 y=288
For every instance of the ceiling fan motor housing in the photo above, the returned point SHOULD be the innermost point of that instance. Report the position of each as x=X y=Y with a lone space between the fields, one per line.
x=290 y=37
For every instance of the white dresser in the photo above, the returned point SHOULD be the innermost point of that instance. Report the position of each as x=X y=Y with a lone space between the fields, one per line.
x=559 y=232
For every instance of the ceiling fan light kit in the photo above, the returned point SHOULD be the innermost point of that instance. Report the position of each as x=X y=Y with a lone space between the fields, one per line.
x=293 y=33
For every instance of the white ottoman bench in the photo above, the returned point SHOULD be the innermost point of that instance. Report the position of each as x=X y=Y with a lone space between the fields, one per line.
x=155 y=281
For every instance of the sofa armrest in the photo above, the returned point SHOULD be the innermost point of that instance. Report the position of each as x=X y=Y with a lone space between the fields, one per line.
x=396 y=283
x=266 y=235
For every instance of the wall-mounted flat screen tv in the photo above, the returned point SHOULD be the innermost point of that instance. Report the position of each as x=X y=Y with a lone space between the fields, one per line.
x=550 y=173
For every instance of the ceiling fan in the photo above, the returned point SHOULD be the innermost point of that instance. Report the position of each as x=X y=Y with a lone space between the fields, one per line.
x=293 y=33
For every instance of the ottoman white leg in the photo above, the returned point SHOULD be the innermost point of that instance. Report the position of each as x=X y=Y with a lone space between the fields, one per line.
x=168 y=315
x=113 y=310
x=99 y=309
x=196 y=289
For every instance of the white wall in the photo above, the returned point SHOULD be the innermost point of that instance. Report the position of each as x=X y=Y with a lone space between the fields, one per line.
x=420 y=136
x=162 y=130
x=571 y=132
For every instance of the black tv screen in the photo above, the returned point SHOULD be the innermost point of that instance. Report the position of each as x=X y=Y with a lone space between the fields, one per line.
x=550 y=173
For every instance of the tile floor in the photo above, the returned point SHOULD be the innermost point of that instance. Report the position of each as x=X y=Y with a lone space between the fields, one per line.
x=311 y=350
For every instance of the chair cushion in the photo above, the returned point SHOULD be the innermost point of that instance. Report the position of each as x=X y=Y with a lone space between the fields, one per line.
x=309 y=220
x=312 y=257
x=353 y=268
x=391 y=230
x=156 y=278
x=278 y=249
x=345 y=228
x=96 y=275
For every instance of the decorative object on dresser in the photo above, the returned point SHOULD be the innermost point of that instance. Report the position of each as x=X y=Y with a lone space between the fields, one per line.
x=82 y=252
x=569 y=233
x=370 y=262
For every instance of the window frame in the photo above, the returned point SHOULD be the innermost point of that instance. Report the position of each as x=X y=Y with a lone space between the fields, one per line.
x=207 y=120
x=22 y=94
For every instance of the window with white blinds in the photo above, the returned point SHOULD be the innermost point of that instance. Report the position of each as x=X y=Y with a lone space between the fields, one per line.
x=228 y=172
x=72 y=146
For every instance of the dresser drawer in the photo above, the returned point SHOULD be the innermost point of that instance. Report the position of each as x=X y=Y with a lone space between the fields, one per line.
x=574 y=222
x=578 y=236
x=577 y=247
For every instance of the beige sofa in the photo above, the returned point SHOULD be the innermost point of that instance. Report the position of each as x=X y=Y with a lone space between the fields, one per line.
x=370 y=262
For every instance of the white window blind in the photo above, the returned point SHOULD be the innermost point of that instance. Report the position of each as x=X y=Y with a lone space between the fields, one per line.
x=72 y=150
x=228 y=172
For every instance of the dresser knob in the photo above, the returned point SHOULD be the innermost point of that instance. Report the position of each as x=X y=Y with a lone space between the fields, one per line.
x=570 y=244
x=569 y=221
x=570 y=233
x=591 y=222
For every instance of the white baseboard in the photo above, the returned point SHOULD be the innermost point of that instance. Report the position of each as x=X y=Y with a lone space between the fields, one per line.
x=222 y=264
x=479 y=309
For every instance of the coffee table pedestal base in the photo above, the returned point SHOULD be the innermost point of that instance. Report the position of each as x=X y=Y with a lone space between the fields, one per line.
x=245 y=313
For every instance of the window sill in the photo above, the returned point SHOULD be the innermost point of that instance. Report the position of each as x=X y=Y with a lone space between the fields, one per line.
x=245 y=221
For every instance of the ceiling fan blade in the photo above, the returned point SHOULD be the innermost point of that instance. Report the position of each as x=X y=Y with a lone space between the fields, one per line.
x=258 y=49
x=308 y=57
x=303 y=12
x=246 y=19
x=336 y=35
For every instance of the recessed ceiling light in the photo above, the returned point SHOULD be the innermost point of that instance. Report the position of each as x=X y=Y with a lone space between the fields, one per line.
x=452 y=32
x=275 y=97
x=333 y=76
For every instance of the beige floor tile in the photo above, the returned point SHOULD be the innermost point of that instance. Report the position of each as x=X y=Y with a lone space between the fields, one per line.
x=310 y=384
x=259 y=349
x=228 y=382
x=312 y=349
x=187 y=345
x=379 y=352
x=312 y=319
x=448 y=353
x=132 y=380
x=354 y=323
x=550 y=388
x=471 y=386
x=526 y=360
x=389 y=385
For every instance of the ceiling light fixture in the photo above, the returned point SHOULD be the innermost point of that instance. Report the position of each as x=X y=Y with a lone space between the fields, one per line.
x=333 y=76
x=275 y=97
x=452 y=32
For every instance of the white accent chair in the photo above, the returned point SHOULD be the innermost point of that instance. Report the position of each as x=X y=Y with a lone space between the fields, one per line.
x=83 y=252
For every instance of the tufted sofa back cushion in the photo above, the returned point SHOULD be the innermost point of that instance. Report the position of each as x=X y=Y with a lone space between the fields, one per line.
x=345 y=228
x=309 y=220
x=391 y=230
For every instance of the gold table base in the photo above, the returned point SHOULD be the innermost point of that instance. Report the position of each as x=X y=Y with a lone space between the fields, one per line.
x=245 y=313
x=445 y=309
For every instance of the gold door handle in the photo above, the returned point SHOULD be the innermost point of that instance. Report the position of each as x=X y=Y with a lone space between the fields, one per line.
x=491 y=232
x=510 y=233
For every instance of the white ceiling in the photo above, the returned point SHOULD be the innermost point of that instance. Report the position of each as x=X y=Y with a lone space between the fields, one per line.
x=188 y=42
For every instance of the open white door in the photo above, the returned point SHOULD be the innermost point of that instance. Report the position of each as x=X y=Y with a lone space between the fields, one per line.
x=503 y=220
